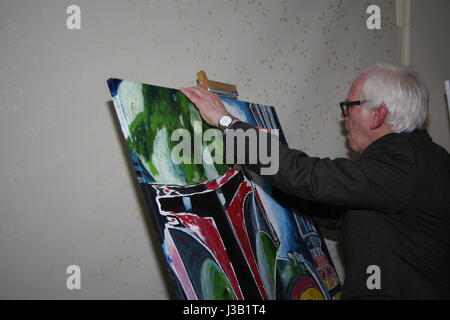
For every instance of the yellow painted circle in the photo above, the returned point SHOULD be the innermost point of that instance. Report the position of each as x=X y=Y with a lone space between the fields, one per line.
x=311 y=294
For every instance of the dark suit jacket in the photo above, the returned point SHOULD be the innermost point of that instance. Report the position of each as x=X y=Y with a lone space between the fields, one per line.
x=391 y=208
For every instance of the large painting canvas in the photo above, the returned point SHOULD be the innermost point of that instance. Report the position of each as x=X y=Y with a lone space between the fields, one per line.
x=223 y=234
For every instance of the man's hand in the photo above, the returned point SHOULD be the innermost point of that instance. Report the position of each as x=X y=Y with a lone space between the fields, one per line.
x=208 y=104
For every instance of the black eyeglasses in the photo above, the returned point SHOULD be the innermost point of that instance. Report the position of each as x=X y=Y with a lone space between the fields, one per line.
x=345 y=106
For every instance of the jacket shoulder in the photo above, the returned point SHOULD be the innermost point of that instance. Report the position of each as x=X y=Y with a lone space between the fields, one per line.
x=391 y=145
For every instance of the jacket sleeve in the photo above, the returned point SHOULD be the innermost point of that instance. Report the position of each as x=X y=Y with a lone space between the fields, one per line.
x=381 y=179
x=324 y=215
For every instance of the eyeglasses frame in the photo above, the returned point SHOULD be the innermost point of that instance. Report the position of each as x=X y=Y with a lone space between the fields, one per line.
x=348 y=104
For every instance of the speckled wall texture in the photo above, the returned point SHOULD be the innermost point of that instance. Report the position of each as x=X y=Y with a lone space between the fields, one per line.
x=67 y=191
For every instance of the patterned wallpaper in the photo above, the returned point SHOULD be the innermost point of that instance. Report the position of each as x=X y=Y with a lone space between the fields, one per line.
x=68 y=194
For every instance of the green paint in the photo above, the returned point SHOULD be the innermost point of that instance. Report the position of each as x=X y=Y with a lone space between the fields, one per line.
x=266 y=255
x=215 y=286
x=289 y=271
x=169 y=109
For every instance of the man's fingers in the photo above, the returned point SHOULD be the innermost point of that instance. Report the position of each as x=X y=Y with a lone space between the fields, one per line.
x=188 y=92
x=196 y=92
x=191 y=94
x=200 y=95
x=201 y=92
x=208 y=103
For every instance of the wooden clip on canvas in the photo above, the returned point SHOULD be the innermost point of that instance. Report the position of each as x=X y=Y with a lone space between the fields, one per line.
x=223 y=89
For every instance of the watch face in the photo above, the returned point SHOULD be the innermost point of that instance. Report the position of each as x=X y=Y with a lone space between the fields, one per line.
x=225 y=121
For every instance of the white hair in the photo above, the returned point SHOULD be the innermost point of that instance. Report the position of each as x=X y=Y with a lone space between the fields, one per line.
x=403 y=93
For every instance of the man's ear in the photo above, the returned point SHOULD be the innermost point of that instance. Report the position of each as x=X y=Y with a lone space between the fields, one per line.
x=378 y=117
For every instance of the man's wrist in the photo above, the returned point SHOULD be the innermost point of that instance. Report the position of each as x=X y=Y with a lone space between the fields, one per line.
x=231 y=125
x=225 y=121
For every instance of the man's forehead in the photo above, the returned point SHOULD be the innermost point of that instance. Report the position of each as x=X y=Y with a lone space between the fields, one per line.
x=357 y=85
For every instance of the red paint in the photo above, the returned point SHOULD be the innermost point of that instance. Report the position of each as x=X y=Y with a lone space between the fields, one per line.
x=215 y=184
x=301 y=285
x=206 y=231
x=236 y=213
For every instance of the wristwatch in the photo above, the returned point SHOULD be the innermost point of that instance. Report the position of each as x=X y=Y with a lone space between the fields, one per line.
x=225 y=122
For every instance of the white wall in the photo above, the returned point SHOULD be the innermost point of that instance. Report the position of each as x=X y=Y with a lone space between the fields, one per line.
x=67 y=191
x=430 y=56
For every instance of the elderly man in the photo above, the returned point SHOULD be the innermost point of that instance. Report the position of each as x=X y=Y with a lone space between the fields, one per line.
x=392 y=203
